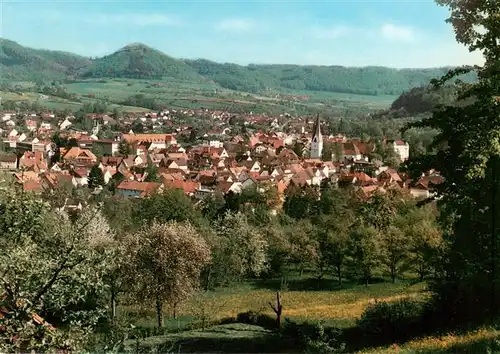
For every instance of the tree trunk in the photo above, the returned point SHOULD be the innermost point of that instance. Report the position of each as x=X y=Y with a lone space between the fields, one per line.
x=113 y=304
x=321 y=272
x=207 y=281
x=339 y=274
x=493 y=240
x=278 y=309
x=421 y=273
x=301 y=270
x=393 y=275
x=174 y=311
x=159 y=312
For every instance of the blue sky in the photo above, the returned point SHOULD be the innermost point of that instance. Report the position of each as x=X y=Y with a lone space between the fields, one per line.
x=394 y=33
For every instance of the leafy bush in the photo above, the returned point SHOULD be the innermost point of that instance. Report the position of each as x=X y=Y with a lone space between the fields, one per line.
x=257 y=319
x=392 y=322
x=314 y=337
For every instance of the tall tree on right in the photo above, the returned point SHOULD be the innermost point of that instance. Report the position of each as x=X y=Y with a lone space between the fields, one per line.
x=468 y=157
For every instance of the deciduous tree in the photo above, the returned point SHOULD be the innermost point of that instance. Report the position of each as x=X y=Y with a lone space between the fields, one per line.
x=50 y=266
x=468 y=158
x=363 y=252
x=165 y=262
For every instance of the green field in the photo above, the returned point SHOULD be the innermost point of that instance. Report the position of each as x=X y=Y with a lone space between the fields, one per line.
x=180 y=94
x=57 y=103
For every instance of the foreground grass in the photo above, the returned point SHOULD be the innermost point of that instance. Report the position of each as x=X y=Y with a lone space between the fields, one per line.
x=230 y=338
x=306 y=300
x=485 y=340
x=339 y=307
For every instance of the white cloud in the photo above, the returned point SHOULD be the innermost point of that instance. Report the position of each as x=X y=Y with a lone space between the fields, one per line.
x=236 y=25
x=139 y=19
x=398 y=33
x=330 y=32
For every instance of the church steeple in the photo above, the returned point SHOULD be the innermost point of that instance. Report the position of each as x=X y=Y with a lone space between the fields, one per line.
x=317 y=140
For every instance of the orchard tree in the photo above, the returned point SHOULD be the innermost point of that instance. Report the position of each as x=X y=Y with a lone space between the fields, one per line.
x=303 y=239
x=180 y=208
x=240 y=250
x=394 y=247
x=425 y=239
x=363 y=252
x=51 y=266
x=165 y=262
x=333 y=242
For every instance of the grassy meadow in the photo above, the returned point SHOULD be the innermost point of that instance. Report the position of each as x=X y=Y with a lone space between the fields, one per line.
x=303 y=299
x=57 y=103
x=181 y=94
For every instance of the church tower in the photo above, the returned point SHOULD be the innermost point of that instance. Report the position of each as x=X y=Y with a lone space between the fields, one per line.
x=317 y=140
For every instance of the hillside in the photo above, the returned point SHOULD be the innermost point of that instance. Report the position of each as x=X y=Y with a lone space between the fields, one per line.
x=22 y=63
x=365 y=81
x=419 y=102
x=139 y=61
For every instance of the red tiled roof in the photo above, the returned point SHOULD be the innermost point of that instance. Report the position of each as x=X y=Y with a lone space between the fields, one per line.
x=187 y=186
x=146 y=188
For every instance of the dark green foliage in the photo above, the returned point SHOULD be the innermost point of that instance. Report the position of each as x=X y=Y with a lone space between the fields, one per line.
x=366 y=81
x=139 y=61
x=96 y=177
x=141 y=100
x=386 y=322
x=124 y=149
x=22 y=63
x=172 y=204
x=257 y=319
x=424 y=99
x=313 y=337
x=300 y=201
x=151 y=172
x=467 y=156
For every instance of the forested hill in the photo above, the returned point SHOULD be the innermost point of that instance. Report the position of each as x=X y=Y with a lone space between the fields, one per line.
x=142 y=62
x=419 y=101
x=22 y=63
x=139 y=61
x=371 y=80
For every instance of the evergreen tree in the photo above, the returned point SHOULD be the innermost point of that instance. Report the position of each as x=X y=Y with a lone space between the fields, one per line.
x=338 y=152
x=96 y=177
x=151 y=172
x=124 y=148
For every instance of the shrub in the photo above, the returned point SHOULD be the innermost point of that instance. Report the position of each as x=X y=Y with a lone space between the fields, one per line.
x=385 y=322
x=313 y=337
x=257 y=319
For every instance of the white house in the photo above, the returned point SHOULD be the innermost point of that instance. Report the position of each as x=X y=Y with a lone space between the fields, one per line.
x=215 y=143
x=402 y=148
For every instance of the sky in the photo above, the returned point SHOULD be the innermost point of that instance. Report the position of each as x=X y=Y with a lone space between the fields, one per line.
x=398 y=33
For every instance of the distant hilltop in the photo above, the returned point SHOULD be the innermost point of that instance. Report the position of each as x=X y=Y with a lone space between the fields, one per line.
x=139 y=61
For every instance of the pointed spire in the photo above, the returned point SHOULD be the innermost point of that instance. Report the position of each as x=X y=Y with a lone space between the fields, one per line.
x=317 y=128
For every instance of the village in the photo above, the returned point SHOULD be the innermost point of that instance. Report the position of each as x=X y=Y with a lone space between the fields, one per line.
x=224 y=158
